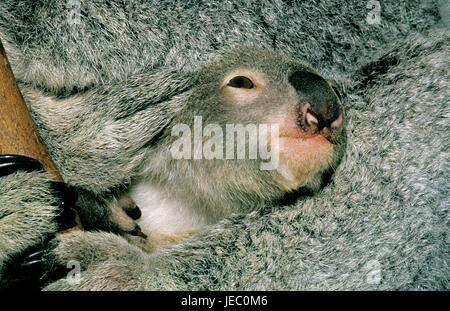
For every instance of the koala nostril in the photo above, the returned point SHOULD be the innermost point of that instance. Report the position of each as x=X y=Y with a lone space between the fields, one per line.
x=315 y=121
x=310 y=118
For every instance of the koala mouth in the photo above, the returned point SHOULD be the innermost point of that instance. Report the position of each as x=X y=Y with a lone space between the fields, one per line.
x=306 y=139
x=316 y=145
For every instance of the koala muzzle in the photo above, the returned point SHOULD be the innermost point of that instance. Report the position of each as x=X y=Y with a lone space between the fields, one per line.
x=319 y=107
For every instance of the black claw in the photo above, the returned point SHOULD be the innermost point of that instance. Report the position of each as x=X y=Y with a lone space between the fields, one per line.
x=9 y=163
x=138 y=232
x=33 y=260
x=37 y=254
x=31 y=263
x=142 y=234
x=135 y=230
x=26 y=270
x=23 y=271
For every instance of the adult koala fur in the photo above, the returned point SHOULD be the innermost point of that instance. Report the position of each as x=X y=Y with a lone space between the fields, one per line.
x=381 y=224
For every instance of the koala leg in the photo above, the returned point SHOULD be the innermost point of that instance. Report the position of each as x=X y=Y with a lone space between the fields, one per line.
x=31 y=213
x=76 y=259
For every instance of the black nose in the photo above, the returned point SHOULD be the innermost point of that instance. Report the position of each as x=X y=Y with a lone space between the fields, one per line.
x=319 y=104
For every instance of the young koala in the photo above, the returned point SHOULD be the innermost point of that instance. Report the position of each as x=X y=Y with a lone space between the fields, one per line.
x=243 y=131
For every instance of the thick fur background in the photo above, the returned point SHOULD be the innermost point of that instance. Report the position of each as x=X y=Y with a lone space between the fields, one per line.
x=381 y=224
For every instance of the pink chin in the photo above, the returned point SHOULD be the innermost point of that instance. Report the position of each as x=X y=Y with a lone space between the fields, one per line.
x=301 y=158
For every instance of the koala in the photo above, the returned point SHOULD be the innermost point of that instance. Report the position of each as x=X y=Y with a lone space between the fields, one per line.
x=382 y=223
x=180 y=196
x=105 y=80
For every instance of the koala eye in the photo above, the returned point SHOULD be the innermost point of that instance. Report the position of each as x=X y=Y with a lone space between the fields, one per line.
x=241 y=82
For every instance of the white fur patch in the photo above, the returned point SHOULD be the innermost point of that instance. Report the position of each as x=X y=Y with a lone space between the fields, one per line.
x=161 y=212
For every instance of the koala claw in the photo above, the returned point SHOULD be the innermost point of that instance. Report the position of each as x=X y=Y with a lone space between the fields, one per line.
x=142 y=234
x=24 y=271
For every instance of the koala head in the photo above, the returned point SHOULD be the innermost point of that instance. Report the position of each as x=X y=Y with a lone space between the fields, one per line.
x=252 y=107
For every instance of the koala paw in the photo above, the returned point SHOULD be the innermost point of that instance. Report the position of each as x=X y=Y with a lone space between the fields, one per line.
x=72 y=259
x=124 y=212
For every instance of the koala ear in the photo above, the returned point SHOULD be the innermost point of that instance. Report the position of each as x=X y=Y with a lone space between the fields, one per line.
x=154 y=90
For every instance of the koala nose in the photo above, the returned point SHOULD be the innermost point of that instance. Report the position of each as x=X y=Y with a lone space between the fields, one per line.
x=317 y=120
x=319 y=106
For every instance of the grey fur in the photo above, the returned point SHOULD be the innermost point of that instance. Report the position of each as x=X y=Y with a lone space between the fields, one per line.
x=27 y=213
x=381 y=224
x=98 y=126
x=114 y=39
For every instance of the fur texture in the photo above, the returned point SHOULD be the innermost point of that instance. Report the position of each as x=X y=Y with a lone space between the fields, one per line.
x=26 y=213
x=28 y=216
x=114 y=39
x=381 y=224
